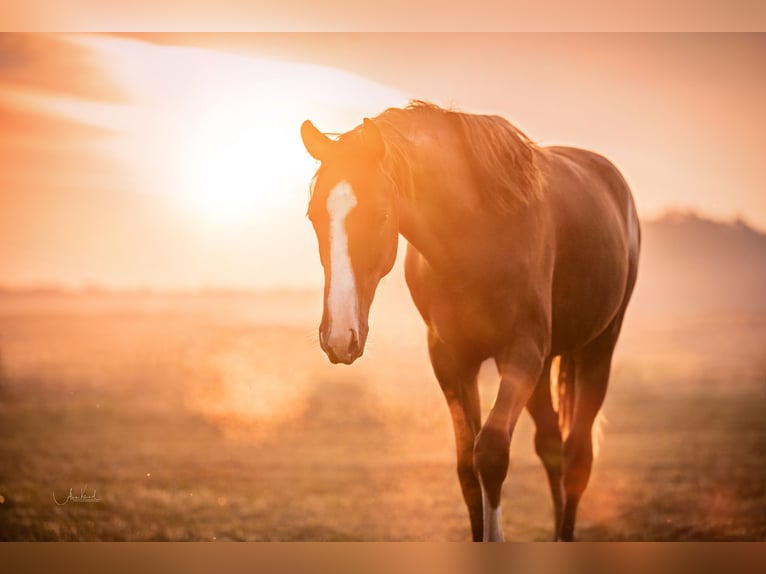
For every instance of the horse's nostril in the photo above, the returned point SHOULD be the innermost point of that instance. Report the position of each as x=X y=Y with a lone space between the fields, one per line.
x=353 y=344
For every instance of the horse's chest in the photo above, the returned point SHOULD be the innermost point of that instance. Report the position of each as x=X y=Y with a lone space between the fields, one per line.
x=455 y=313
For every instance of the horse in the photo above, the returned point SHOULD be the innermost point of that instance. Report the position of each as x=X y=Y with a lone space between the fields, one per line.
x=516 y=253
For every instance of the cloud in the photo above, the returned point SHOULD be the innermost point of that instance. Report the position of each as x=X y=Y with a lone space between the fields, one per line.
x=54 y=64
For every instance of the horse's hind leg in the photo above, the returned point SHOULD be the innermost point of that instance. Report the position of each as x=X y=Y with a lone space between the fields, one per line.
x=592 y=366
x=458 y=380
x=548 y=439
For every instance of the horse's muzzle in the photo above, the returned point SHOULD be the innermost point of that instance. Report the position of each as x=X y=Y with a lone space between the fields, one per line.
x=345 y=347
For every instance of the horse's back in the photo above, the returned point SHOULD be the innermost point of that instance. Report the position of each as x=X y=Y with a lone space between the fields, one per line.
x=597 y=239
x=596 y=167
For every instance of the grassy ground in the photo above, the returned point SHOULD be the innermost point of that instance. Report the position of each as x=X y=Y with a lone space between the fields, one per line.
x=201 y=421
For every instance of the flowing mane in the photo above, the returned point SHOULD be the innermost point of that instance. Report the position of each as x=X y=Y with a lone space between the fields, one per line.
x=504 y=161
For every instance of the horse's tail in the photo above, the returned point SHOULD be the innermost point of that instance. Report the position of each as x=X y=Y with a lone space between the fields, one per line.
x=563 y=395
x=563 y=399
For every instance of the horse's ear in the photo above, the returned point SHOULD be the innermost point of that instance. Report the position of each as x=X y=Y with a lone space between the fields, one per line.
x=317 y=144
x=373 y=139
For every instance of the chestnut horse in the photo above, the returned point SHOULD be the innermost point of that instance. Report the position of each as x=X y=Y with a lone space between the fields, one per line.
x=516 y=253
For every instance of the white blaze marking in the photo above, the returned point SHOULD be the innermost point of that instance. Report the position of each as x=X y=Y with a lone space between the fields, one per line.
x=342 y=297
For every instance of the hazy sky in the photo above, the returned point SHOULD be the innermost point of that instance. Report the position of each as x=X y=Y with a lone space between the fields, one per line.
x=393 y=15
x=177 y=161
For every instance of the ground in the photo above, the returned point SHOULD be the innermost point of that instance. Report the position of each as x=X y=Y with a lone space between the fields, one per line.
x=218 y=418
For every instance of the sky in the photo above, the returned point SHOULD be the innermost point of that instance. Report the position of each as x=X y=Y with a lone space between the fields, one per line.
x=393 y=15
x=175 y=161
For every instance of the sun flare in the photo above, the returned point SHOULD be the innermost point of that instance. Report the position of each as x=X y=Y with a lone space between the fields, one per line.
x=235 y=162
x=218 y=133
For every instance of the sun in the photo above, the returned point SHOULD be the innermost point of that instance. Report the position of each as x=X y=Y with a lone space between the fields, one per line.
x=236 y=161
x=218 y=133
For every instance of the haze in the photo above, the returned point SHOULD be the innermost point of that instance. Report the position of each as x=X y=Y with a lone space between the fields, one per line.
x=174 y=161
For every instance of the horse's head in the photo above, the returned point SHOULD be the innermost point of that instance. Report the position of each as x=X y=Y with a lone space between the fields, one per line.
x=353 y=211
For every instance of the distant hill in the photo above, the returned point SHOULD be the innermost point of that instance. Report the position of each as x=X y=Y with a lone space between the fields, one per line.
x=693 y=264
x=689 y=264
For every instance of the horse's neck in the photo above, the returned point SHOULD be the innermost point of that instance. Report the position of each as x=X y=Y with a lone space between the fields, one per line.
x=437 y=216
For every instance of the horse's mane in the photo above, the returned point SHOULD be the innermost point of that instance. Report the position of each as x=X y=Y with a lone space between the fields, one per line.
x=505 y=162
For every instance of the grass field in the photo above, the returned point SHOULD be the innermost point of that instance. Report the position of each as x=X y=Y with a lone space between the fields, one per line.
x=218 y=418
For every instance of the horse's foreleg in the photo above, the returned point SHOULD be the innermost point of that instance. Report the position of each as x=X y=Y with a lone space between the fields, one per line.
x=548 y=440
x=458 y=380
x=491 y=452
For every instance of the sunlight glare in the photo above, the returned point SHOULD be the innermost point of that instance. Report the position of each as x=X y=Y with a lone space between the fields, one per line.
x=218 y=133
x=236 y=162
